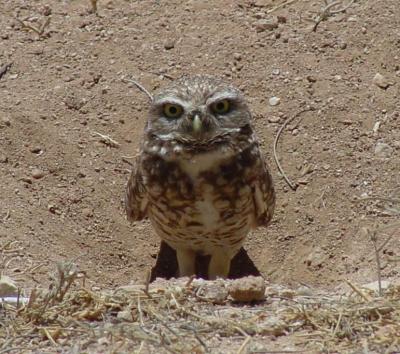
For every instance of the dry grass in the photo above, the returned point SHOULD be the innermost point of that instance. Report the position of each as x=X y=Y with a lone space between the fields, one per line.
x=184 y=316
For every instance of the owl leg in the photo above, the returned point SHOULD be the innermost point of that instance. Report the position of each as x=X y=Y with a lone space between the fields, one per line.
x=186 y=262
x=219 y=266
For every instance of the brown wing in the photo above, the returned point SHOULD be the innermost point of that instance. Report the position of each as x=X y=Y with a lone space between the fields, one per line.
x=135 y=195
x=263 y=195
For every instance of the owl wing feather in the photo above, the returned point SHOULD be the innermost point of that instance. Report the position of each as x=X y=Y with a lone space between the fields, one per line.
x=263 y=195
x=135 y=196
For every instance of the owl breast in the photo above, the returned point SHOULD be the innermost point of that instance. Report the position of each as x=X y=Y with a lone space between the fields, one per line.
x=203 y=200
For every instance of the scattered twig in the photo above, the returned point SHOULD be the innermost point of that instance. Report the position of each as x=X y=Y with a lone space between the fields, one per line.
x=170 y=77
x=373 y=236
x=244 y=344
x=6 y=217
x=127 y=158
x=374 y=239
x=292 y=185
x=147 y=284
x=105 y=139
x=327 y=12
x=281 y=5
x=383 y=199
x=4 y=69
x=49 y=336
x=359 y=291
x=39 y=31
x=8 y=350
x=140 y=87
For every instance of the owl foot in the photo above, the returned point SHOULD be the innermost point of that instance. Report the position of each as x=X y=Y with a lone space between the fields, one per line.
x=186 y=262
x=219 y=266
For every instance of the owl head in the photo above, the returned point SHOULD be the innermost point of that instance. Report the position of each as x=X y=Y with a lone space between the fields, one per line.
x=197 y=109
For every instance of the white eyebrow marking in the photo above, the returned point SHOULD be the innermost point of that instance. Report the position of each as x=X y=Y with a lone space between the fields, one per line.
x=171 y=100
x=222 y=96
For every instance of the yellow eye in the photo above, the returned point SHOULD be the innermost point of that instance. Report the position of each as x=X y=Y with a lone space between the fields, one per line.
x=221 y=107
x=172 y=110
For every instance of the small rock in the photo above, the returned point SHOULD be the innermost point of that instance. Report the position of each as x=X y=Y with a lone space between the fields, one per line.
x=103 y=341
x=383 y=150
x=274 y=101
x=237 y=56
x=315 y=258
x=7 y=287
x=169 y=44
x=26 y=180
x=311 y=78
x=281 y=19
x=125 y=315
x=264 y=24
x=274 y=119
x=304 y=291
x=248 y=289
x=36 y=149
x=53 y=209
x=6 y=121
x=3 y=159
x=381 y=81
x=214 y=291
x=37 y=173
x=87 y=212
x=46 y=10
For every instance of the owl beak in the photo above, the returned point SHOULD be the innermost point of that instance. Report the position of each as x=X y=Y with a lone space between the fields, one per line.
x=197 y=124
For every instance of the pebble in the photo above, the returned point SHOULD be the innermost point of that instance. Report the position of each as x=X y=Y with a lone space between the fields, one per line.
x=381 y=81
x=36 y=149
x=37 y=173
x=274 y=101
x=169 y=44
x=237 y=56
x=311 y=78
x=274 y=119
x=247 y=289
x=264 y=24
x=383 y=150
x=125 y=315
x=304 y=291
x=214 y=291
x=7 y=287
x=87 y=212
x=3 y=159
x=315 y=258
x=6 y=121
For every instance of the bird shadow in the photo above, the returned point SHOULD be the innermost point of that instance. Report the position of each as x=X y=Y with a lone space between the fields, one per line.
x=167 y=266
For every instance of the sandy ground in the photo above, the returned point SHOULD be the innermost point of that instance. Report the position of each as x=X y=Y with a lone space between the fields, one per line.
x=62 y=187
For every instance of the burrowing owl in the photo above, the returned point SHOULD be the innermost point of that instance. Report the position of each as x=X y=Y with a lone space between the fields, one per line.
x=200 y=177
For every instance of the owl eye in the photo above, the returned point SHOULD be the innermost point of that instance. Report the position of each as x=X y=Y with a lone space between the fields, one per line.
x=221 y=107
x=172 y=110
